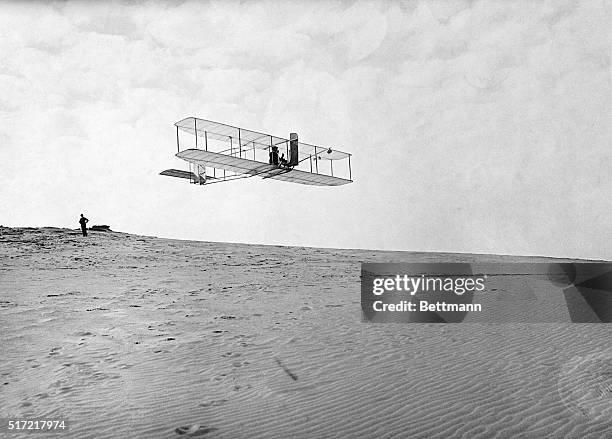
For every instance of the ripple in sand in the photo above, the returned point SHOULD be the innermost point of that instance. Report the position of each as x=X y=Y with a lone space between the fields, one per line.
x=585 y=385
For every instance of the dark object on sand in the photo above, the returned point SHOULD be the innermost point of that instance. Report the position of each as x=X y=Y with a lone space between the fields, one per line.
x=293 y=376
x=194 y=430
x=102 y=228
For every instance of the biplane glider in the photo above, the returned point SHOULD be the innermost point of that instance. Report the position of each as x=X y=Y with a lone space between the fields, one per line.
x=218 y=153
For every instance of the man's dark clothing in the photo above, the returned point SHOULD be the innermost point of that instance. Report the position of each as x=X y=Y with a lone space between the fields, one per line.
x=83 y=221
x=274 y=156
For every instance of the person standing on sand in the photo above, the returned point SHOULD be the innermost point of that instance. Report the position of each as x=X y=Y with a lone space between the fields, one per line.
x=83 y=221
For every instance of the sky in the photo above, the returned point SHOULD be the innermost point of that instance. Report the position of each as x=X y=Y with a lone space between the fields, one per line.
x=475 y=126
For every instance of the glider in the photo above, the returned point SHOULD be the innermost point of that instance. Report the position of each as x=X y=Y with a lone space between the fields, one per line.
x=218 y=153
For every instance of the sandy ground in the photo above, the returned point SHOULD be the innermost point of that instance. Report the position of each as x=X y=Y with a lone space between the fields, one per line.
x=129 y=336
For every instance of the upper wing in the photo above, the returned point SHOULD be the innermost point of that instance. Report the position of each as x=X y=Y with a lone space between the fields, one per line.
x=252 y=139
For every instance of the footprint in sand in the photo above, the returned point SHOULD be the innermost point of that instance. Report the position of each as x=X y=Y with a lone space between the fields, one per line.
x=219 y=378
x=231 y=355
x=240 y=363
x=213 y=403
x=194 y=430
x=585 y=385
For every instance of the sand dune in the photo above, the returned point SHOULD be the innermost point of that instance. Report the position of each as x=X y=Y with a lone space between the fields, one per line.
x=130 y=336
